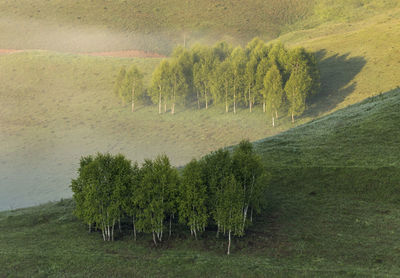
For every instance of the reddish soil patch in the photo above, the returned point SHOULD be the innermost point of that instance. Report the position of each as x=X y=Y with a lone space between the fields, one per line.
x=122 y=54
x=9 y=51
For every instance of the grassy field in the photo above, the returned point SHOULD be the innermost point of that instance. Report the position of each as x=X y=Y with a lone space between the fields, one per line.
x=333 y=201
x=317 y=224
x=159 y=25
x=56 y=107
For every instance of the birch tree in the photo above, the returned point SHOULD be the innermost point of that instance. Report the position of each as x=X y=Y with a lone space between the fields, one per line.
x=131 y=206
x=248 y=172
x=262 y=70
x=238 y=63
x=273 y=91
x=132 y=86
x=222 y=84
x=156 y=196
x=215 y=167
x=297 y=88
x=193 y=198
x=160 y=84
x=229 y=208
x=102 y=181
x=118 y=82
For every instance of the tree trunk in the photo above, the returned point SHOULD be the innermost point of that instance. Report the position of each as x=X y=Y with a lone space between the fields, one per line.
x=264 y=106
x=133 y=99
x=119 y=224
x=154 y=239
x=251 y=215
x=173 y=105
x=198 y=99
x=234 y=101
x=245 y=216
x=112 y=231
x=229 y=243
x=90 y=228
x=170 y=224
x=273 y=121
x=226 y=100
x=250 y=99
x=217 y=236
x=292 y=118
x=134 y=228
x=276 y=114
x=205 y=94
x=159 y=103
x=195 y=234
x=165 y=106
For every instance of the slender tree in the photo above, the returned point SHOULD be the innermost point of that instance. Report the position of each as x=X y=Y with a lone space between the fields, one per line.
x=132 y=86
x=118 y=82
x=273 y=91
x=248 y=172
x=132 y=198
x=238 y=63
x=156 y=197
x=103 y=180
x=193 y=198
x=161 y=84
x=229 y=208
x=178 y=83
x=297 y=88
x=262 y=70
x=222 y=85
x=203 y=71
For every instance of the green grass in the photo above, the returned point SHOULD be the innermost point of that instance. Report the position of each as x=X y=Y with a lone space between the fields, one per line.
x=159 y=25
x=318 y=223
x=55 y=107
x=333 y=202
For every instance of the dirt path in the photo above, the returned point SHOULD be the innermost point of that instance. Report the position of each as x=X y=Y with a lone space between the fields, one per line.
x=121 y=54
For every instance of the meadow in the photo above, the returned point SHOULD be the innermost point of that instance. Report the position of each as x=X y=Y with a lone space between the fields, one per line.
x=333 y=198
x=314 y=225
x=58 y=106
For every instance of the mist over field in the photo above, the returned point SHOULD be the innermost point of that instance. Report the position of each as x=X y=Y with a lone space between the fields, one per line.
x=20 y=33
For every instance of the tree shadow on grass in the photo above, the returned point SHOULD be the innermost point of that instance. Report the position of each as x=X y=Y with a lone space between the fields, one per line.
x=337 y=80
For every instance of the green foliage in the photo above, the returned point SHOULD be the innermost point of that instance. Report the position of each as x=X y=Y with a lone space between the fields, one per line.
x=193 y=198
x=156 y=196
x=220 y=186
x=273 y=91
x=297 y=88
x=131 y=88
x=118 y=82
x=222 y=74
x=100 y=191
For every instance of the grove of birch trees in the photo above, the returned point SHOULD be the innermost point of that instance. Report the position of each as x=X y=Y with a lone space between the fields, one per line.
x=279 y=79
x=223 y=190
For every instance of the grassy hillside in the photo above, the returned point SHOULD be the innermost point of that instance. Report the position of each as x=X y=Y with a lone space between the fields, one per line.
x=311 y=228
x=357 y=60
x=159 y=25
x=354 y=150
x=56 y=107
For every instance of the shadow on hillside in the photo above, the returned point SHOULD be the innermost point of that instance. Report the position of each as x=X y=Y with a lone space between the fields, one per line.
x=337 y=74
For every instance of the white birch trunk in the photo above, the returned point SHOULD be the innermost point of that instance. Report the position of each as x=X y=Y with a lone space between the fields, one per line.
x=229 y=243
x=134 y=227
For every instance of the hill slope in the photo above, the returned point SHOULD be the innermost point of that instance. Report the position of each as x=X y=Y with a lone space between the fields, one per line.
x=159 y=25
x=56 y=107
x=322 y=233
